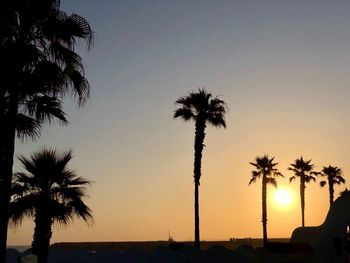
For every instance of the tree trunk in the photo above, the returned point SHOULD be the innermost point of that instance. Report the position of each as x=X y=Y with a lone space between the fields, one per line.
x=331 y=192
x=264 y=210
x=42 y=236
x=196 y=215
x=197 y=172
x=7 y=149
x=302 y=200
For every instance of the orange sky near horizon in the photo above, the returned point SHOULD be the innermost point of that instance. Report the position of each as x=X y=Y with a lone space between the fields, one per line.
x=283 y=69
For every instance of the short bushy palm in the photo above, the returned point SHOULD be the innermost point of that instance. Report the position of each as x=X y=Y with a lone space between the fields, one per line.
x=49 y=192
x=203 y=109
x=265 y=169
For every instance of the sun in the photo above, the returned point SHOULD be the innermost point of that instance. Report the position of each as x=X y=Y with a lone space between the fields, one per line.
x=283 y=197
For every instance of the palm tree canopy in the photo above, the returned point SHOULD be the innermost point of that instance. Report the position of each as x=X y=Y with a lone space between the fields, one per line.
x=202 y=105
x=265 y=166
x=39 y=65
x=333 y=174
x=49 y=178
x=303 y=169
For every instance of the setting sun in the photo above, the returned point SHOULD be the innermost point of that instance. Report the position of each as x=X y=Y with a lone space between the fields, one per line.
x=283 y=197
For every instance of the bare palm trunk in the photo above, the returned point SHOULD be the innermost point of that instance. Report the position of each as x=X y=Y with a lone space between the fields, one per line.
x=6 y=163
x=198 y=148
x=196 y=215
x=264 y=210
x=302 y=200
x=5 y=187
x=331 y=192
x=41 y=237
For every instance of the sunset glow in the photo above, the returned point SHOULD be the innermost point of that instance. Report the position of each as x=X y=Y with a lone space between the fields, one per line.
x=282 y=67
x=283 y=197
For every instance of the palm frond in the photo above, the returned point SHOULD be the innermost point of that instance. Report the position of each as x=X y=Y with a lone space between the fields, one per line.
x=27 y=127
x=46 y=108
x=66 y=56
x=252 y=180
x=47 y=78
x=184 y=113
x=323 y=183
x=272 y=181
x=217 y=120
x=19 y=209
x=80 y=87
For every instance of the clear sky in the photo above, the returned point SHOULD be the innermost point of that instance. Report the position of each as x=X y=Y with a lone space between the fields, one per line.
x=283 y=67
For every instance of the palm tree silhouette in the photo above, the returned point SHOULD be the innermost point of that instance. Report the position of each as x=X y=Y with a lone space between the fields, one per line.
x=334 y=176
x=202 y=108
x=305 y=171
x=265 y=169
x=50 y=192
x=39 y=65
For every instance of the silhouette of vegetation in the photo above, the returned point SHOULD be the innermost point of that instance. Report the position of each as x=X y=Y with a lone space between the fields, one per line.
x=39 y=66
x=202 y=108
x=265 y=169
x=50 y=192
x=305 y=171
x=334 y=176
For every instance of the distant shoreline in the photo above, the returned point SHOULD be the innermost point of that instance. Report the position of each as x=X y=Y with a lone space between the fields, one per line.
x=20 y=248
x=149 y=245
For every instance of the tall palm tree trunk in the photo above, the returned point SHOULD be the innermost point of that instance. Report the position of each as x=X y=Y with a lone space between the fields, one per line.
x=302 y=201
x=5 y=186
x=7 y=148
x=197 y=171
x=41 y=237
x=196 y=215
x=331 y=192
x=264 y=210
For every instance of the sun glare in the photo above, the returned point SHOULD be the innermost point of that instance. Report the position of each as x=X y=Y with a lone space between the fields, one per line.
x=283 y=197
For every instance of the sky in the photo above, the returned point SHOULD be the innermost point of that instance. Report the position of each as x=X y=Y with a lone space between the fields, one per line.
x=283 y=68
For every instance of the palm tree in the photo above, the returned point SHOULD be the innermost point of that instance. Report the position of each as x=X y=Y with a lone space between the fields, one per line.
x=202 y=108
x=38 y=67
x=266 y=169
x=334 y=176
x=50 y=192
x=305 y=171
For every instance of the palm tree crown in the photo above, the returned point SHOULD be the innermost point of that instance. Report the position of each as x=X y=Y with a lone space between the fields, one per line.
x=305 y=171
x=39 y=62
x=50 y=192
x=266 y=169
x=202 y=108
x=334 y=176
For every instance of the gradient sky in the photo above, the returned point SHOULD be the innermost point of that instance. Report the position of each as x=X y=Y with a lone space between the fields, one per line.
x=283 y=67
